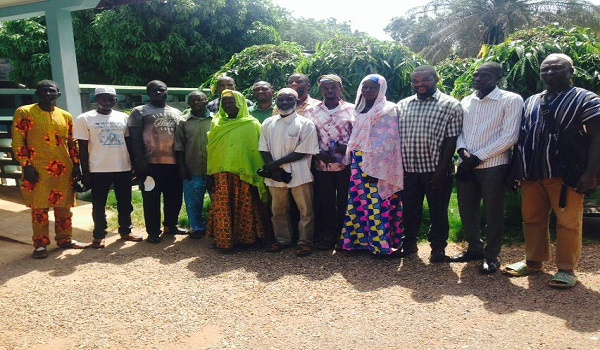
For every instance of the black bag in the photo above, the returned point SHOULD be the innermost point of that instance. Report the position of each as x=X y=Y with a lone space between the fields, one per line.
x=573 y=148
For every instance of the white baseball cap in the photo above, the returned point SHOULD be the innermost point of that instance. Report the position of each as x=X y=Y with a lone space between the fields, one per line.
x=105 y=90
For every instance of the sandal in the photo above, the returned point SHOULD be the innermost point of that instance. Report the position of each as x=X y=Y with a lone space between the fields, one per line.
x=520 y=269
x=98 y=243
x=40 y=253
x=275 y=247
x=563 y=280
x=132 y=238
x=73 y=244
x=303 y=250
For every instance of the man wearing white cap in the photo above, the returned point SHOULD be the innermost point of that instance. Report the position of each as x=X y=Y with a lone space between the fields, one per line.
x=101 y=134
x=558 y=161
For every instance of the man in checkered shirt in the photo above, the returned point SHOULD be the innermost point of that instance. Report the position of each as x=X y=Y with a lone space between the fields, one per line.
x=430 y=122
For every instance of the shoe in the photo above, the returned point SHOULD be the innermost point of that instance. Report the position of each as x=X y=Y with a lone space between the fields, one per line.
x=173 y=230
x=303 y=250
x=466 y=256
x=563 y=280
x=197 y=234
x=153 y=239
x=132 y=238
x=40 y=253
x=73 y=244
x=438 y=256
x=325 y=245
x=489 y=265
x=98 y=243
x=408 y=251
x=520 y=269
x=275 y=247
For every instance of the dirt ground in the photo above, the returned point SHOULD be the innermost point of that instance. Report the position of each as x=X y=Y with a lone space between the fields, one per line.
x=180 y=294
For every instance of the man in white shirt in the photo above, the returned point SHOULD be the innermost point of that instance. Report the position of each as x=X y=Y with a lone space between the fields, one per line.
x=490 y=128
x=102 y=134
x=287 y=143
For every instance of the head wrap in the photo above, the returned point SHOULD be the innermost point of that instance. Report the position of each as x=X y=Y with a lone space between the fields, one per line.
x=288 y=91
x=233 y=144
x=329 y=77
x=105 y=90
x=561 y=56
x=377 y=135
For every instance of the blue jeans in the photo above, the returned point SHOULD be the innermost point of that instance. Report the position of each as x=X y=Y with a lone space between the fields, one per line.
x=193 y=194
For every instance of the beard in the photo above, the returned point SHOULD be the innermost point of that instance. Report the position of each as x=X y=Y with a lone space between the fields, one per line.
x=287 y=111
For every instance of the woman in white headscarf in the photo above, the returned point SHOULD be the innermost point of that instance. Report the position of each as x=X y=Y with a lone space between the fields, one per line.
x=373 y=219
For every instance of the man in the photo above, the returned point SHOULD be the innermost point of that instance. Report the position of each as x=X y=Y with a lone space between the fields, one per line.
x=549 y=164
x=287 y=143
x=300 y=83
x=190 y=148
x=333 y=119
x=42 y=140
x=102 y=135
x=430 y=122
x=223 y=83
x=152 y=132
x=263 y=93
x=490 y=128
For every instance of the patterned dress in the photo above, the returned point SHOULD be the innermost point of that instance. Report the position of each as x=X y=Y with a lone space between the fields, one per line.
x=371 y=223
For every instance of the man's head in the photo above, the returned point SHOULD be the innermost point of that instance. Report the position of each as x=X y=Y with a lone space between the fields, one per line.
x=556 y=71
x=262 y=91
x=106 y=98
x=300 y=83
x=47 y=92
x=487 y=77
x=424 y=80
x=286 y=101
x=224 y=83
x=197 y=101
x=331 y=87
x=157 y=91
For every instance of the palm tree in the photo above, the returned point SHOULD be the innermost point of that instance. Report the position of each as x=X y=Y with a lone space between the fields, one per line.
x=462 y=26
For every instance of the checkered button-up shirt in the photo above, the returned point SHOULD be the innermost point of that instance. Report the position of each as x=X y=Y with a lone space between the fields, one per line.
x=332 y=125
x=424 y=125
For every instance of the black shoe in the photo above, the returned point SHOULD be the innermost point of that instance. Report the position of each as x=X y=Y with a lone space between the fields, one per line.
x=466 y=256
x=173 y=230
x=438 y=256
x=197 y=234
x=408 y=251
x=153 y=239
x=489 y=265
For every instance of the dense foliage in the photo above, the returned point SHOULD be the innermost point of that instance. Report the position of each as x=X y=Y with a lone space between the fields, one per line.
x=523 y=52
x=352 y=58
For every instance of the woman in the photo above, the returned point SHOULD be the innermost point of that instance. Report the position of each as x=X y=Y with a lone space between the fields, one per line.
x=238 y=213
x=373 y=219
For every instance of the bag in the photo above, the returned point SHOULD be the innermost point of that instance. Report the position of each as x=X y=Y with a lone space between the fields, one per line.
x=573 y=148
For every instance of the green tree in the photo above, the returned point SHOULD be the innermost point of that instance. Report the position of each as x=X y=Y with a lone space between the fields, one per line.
x=352 y=58
x=308 y=31
x=523 y=52
x=462 y=26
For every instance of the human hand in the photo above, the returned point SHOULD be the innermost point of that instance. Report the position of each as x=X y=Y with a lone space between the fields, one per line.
x=31 y=174
x=86 y=180
x=141 y=170
x=587 y=183
x=437 y=181
x=326 y=157
x=184 y=173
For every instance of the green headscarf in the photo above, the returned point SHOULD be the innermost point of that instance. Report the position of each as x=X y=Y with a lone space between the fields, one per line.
x=233 y=144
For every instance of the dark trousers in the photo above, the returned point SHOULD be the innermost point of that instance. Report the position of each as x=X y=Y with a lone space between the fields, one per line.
x=417 y=186
x=170 y=186
x=330 y=202
x=101 y=182
x=488 y=184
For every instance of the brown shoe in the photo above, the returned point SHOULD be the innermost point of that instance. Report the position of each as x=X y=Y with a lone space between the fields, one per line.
x=132 y=238
x=73 y=244
x=98 y=243
x=173 y=231
x=303 y=250
x=40 y=253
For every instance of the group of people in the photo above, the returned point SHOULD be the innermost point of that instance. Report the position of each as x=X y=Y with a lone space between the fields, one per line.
x=332 y=173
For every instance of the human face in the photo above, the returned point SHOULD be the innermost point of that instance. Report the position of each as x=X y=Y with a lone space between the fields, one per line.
x=331 y=90
x=286 y=103
x=299 y=83
x=424 y=84
x=484 y=79
x=157 y=92
x=48 y=94
x=228 y=104
x=197 y=102
x=262 y=92
x=225 y=83
x=556 y=73
x=370 y=90
x=106 y=102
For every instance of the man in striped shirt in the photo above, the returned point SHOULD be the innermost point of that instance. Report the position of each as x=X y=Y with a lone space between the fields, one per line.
x=490 y=128
x=430 y=122
x=547 y=184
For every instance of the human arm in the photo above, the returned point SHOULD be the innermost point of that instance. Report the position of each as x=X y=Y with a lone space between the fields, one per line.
x=84 y=158
x=73 y=149
x=588 y=181
x=136 y=144
x=184 y=172
x=448 y=147
x=21 y=125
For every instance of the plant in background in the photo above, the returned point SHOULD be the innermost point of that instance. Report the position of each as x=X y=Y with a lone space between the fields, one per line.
x=523 y=52
x=271 y=63
x=450 y=69
x=352 y=58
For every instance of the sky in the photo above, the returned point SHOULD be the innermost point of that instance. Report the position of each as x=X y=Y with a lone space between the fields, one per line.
x=371 y=20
